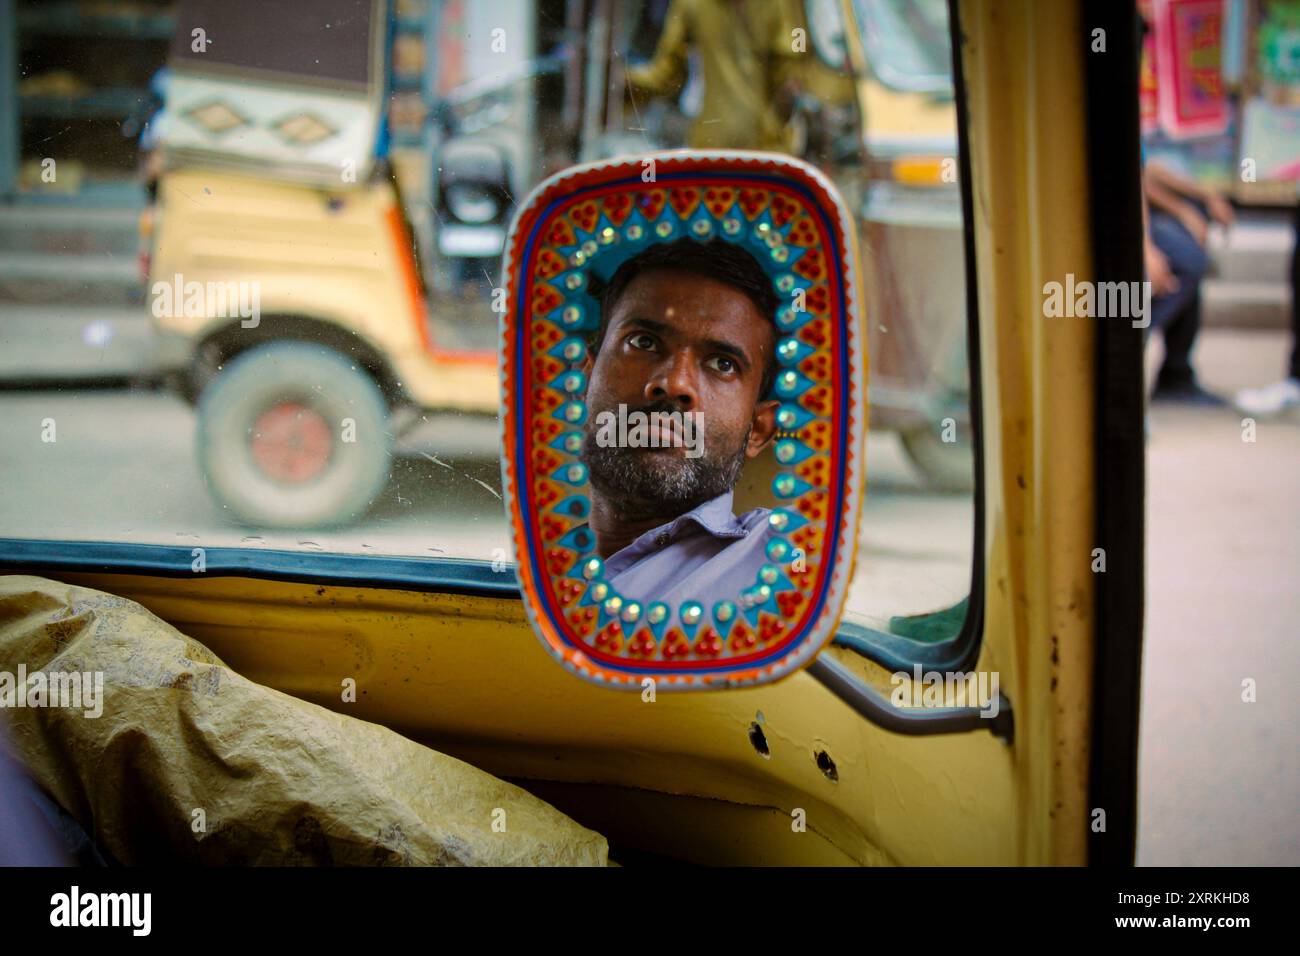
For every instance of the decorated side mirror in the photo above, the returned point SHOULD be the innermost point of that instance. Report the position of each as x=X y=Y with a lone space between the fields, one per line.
x=683 y=406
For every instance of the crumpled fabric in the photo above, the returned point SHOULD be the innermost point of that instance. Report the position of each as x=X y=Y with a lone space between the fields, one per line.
x=190 y=762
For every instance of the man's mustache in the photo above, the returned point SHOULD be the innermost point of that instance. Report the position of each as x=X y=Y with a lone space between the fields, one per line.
x=653 y=407
x=648 y=426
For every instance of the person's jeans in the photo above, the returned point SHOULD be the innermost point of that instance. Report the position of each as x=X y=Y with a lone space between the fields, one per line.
x=1178 y=314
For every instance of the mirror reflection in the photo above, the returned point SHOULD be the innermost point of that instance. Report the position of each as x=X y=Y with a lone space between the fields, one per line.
x=684 y=391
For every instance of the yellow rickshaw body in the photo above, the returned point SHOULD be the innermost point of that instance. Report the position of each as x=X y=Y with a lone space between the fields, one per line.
x=339 y=257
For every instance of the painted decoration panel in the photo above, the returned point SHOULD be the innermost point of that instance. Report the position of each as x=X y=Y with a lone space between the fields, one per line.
x=754 y=255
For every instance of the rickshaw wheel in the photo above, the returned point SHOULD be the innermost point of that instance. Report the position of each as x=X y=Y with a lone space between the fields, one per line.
x=946 y=466
x=293 y=435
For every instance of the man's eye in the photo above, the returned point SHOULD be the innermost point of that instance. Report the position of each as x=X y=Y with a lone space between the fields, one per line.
x=722 y=364
x=641 y=341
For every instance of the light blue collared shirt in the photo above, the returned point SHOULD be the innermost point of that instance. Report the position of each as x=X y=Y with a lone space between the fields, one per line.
x=707 y=555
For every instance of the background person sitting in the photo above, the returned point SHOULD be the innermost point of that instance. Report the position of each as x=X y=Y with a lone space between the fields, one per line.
x=1176 y=261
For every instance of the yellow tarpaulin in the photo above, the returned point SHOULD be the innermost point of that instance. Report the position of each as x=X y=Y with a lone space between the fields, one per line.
x=180 y=758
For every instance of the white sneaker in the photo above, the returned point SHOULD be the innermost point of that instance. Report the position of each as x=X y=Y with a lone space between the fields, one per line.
x=1269 y=400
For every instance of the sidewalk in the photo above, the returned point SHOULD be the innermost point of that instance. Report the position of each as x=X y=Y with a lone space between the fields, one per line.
x=1219 y=778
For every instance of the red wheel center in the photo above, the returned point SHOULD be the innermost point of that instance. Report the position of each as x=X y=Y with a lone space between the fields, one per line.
x=291 y=442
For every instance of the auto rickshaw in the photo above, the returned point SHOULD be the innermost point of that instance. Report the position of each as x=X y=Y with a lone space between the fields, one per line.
x=812 y=763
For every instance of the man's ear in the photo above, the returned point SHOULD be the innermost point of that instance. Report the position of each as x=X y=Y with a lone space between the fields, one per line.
x=764 y=430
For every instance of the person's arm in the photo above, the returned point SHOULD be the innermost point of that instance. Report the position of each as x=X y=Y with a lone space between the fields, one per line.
x=1159 y=274
x=666 y=73
x=1163 y=198
x=1172 y=181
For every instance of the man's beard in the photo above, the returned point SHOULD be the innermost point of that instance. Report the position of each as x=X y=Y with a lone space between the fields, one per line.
x=649 y=483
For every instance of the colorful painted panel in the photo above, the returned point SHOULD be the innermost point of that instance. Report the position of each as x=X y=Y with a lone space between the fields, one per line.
x=1189 y=41
x=742 y=308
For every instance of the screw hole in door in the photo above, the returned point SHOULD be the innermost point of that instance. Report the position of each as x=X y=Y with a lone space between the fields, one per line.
x=827 y=766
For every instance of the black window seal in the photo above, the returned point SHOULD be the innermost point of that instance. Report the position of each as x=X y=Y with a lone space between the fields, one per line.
x=444 y=575
x=1119 y=438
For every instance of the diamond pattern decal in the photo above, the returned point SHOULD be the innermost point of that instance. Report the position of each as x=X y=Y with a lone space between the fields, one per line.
x=217 y=118
x=303 y=129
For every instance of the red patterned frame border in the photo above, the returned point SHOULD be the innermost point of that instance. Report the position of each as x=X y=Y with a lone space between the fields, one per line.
x=571 y=186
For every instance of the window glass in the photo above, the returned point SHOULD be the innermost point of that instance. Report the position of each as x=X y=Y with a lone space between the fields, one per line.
x=250 y=310
x=906 y=43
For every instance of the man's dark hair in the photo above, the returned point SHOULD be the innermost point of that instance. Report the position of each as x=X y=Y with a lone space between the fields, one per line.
x=715 y=259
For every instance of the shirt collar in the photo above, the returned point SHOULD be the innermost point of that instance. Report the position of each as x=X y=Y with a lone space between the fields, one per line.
x=713 y=516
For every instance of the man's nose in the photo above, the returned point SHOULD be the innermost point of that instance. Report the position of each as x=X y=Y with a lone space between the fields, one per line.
x=674 y=381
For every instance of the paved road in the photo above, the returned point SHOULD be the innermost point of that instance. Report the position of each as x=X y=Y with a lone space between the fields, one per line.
x=1220 y=778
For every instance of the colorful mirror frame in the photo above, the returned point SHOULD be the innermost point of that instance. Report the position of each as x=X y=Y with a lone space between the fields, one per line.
x=592 y=218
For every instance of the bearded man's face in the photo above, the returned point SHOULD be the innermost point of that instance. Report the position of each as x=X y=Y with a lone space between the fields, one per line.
x=679 y=343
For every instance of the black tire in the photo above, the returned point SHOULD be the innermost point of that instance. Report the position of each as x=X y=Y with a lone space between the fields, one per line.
x=327 y=389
